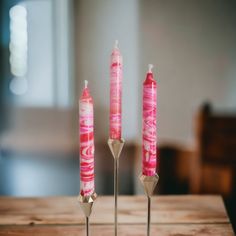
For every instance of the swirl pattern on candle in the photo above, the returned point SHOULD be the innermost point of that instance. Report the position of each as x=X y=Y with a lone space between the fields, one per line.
x=116 y=74
x=86 y=144
x=149 y=126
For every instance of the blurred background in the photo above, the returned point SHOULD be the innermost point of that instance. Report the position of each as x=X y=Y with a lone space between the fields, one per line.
x=48 y=48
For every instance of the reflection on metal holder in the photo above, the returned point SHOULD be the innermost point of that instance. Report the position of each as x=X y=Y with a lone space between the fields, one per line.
x=149 y=183
x=86 y=204
x=116 y=146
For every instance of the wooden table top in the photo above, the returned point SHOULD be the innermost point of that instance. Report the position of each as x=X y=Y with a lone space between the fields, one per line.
x=171 y=215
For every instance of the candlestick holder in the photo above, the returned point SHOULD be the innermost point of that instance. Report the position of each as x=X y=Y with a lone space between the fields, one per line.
x=149 y=183
x=116 y=146
x=86 y=204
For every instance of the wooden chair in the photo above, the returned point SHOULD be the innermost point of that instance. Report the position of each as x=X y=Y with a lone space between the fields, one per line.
x=212 y=170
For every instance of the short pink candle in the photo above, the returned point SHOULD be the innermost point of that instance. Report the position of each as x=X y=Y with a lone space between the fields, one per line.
x=86 y=143
x=116 y=74
x=149 y=124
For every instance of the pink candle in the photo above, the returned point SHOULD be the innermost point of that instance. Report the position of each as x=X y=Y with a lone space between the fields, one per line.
x=149 y=124
x=86 y=142
x=116 y=74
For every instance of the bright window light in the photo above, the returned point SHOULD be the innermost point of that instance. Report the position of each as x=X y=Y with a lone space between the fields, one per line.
x=18 y=49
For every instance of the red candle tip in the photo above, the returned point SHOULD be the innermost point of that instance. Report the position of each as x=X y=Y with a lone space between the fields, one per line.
x=149 y=79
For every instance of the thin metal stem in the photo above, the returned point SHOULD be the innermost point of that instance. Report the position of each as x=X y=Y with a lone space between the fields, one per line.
x=116 y=176
x=87 y=226
x=149 y=216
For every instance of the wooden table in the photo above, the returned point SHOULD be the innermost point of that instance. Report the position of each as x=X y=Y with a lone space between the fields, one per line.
x=171 y=215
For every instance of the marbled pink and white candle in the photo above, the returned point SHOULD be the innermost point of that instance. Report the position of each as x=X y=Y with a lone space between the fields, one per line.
x=149 y=124
x=116 y=75
x=86 y=131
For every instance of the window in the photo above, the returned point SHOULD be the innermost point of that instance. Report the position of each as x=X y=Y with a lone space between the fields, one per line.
x=40 y=55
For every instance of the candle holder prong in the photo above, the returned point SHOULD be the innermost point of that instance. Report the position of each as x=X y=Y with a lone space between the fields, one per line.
x=116 y=146
x=86 y=204
x=149 y=183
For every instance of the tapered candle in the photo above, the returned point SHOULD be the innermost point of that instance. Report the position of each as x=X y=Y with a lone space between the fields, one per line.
x=149 y=124
x=116 y=75
x=86 y=129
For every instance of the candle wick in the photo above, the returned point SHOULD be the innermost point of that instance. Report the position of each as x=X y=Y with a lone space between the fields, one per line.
x=85 y=83
x=150 y=66
x=116 y=44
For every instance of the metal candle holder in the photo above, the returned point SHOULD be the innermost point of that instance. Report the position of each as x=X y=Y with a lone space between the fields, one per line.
x=116 y=146
x=149 y=183
x=86 y=204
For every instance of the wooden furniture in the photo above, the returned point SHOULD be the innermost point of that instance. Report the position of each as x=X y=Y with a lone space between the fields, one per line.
x=171 y=215
x=213 y=168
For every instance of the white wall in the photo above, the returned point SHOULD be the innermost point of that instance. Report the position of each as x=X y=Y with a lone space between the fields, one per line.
x=98 y=25
x=191 y=43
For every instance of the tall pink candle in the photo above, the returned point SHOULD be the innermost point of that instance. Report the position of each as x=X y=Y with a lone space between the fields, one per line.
x=149 y=124
x=86 y=142
x=116 y=75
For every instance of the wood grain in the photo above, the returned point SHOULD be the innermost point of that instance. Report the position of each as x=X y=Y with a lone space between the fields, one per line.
x=65 y=210
x=124 y=230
